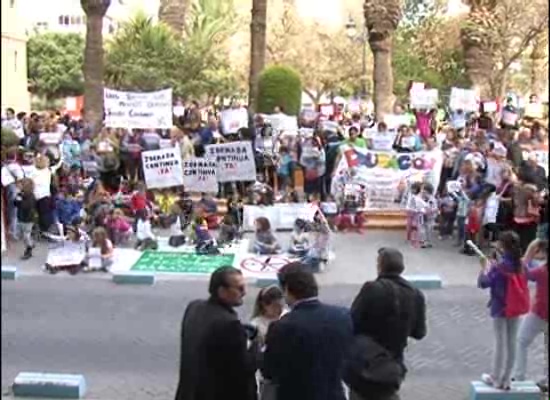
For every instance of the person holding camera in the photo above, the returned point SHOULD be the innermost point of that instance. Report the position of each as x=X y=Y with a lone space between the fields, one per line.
x=218 y=353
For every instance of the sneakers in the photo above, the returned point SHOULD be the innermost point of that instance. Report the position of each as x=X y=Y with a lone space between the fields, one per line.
x=489 y=380
x=27 y=254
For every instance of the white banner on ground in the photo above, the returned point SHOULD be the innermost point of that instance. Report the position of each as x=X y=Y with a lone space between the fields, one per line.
x=281 y=216
x=66 y=254
x=425 y=98
x=147 y=110
x=386 y=175
x=162 y=168
x=233 y=119
x=235 y=161
x=463 y=99
x=199 y=175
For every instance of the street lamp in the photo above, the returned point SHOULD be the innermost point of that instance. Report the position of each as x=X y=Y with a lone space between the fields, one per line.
x=363 y=38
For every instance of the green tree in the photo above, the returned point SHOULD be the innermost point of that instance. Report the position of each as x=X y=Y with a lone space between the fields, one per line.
x=55 y=64
x=144 y=56
x=279 y=86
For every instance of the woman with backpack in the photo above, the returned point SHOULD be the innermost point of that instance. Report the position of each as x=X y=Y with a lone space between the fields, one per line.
x=504 y=275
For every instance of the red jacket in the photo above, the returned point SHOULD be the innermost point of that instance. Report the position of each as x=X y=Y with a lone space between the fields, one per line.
x=138 y=201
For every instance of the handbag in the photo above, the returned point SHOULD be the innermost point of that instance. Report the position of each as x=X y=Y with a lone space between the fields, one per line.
x=369 y=364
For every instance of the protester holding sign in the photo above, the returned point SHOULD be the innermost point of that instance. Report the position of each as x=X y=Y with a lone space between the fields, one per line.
x=199 y=175
x=162 y=168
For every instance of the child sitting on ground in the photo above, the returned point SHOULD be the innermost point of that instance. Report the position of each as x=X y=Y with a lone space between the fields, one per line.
x=204 y=242
x=265 y=242
x=177 y=235
x=164 y=200
x=100 y=240
x=146 y=240
x=209 y=208
x=118 y=227
x=351 y=209
x=229 y=231
x=299 y=240
x=68 y=207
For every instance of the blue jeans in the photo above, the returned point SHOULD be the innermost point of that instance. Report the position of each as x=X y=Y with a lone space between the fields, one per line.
x=461 y=229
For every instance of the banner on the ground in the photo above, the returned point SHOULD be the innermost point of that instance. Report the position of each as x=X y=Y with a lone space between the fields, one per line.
x=66 y=254
x=233 y=119
x=162 y=168
x=424 y=98
x=281 y=216
x=463 y=99
x=199 y=175
x=235 y=161
x=134 y=110
x=386 y=175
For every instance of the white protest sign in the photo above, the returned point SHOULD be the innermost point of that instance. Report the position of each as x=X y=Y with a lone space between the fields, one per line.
x=494 y=171
x=280 y=216
x=383 y=141
x=235 y=161
x=417 y=86
x=454 y=186
x=425 y=98
x=509 y=117
x=534 y=110
x=327 y=109
x=67 y=254
x=408 y=142
x=490 y=106
x=281 y=122
x=199 y=175
x=162 y=168
x=233 y=119
x=394 y=121
x=147 y=110
x=51 y=137
x=178 y=111
x=463 y=99
x=165 y=143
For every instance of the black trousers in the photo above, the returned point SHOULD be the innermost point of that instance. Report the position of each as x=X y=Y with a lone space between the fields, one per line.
x=527 y=233
x=45 y=213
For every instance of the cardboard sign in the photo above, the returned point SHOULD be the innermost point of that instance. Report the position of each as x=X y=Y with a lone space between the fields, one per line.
x=490 y=106
x=235 y=161
x=463 y=99
x=199 y=175
x=424 y=98
x=383 y=141
x=51 y=137
x=233 y=119
x=162 y=168
x=534 y=110
x=145 y=110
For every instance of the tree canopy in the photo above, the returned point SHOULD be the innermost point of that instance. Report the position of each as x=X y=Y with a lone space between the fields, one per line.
x=55 y=64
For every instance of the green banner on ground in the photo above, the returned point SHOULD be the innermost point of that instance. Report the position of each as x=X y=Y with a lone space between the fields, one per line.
x=181 y=263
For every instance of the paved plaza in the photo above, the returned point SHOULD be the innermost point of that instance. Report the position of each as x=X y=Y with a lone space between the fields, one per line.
x=125 y=339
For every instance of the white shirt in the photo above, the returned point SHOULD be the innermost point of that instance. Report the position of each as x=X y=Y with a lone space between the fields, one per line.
x=144 y=230
x=491 y=210
x=15 y=125
x=42 y=179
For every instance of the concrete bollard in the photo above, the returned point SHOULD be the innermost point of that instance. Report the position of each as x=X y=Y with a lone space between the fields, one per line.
x=134 y=278
x=424 y=281
x=60 y=386
x=520 y=391
x=9 y=273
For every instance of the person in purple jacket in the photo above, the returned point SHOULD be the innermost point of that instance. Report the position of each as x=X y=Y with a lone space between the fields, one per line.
x=495 y=275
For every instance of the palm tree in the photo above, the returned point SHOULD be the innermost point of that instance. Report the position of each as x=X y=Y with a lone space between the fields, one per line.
x=382 y=18
x=172 y=13
x=257 y=49
x=93 y=61
x=477 y=43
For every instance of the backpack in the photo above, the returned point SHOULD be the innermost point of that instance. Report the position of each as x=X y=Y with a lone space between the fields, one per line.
x=517 y=295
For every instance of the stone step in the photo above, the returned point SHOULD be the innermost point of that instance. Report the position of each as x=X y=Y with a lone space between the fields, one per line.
x=9 y=273
x=520 y=391
x=134 y=278
x=59 y=386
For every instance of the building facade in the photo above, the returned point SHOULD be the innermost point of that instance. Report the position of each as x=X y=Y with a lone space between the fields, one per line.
x=15 y=92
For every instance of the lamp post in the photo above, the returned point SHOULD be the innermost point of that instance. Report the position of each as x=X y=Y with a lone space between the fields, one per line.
x=362 y=37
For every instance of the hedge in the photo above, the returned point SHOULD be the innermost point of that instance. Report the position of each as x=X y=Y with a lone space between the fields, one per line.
x=279 y=86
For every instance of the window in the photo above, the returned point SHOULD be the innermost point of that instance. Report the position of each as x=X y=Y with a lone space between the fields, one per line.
x=12 y=3
x=73 y=20
x=66 y=20
x=60 y=20
x=78 y=20
x=15 y=61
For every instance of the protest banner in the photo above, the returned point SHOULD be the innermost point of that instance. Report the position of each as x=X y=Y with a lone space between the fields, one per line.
x=394 y=121
x=386 y=174
x=383 y=141
x=424 y=98
x=235 y=161
x=463 y=99
x=162 y=168
x=66 y=254
x=199 y=175
x=165 y=143
x=178 y=111
x=233 y=119
x=454 y=186
x=490 y=106
x=326 y=109
x=282 y=123
x=51 y=138
x=145 y=110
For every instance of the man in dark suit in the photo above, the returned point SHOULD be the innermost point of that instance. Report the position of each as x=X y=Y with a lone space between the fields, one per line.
x=389 y=310
x=216 y=362
x=305 y=349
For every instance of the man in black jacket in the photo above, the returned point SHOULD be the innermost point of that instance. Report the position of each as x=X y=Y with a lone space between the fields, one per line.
x=215 y=360
x=389 y=311
x=305 y=349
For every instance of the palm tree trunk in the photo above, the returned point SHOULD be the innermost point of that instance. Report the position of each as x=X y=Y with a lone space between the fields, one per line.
x=93 y=61
x=383 y=77
x=172 y=13
x=538 y=56
x=257 y=50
